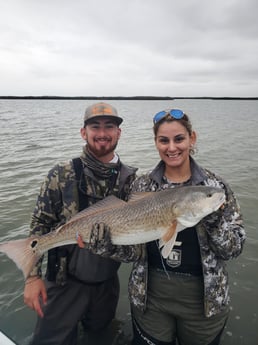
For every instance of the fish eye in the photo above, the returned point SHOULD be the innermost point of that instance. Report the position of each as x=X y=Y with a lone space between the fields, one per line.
x=209 y=195
x=174 y=207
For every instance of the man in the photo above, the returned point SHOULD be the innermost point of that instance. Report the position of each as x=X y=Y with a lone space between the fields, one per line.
x=78 y=283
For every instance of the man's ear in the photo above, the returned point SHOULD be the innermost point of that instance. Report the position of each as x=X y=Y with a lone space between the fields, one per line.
x=119 y=133
x=84 y=133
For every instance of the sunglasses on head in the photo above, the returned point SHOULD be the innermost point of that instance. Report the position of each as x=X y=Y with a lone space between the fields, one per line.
x=176 y=114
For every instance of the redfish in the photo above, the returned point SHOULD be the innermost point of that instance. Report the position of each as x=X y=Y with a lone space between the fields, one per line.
x=145 y=217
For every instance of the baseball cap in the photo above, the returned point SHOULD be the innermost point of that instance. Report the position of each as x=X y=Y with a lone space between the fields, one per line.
x=101 y=110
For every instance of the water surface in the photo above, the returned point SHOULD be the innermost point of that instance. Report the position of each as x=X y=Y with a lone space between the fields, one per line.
x=35 y=134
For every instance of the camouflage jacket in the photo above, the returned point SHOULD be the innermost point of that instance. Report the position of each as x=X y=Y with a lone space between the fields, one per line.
x=58 y=201
x=221 y=237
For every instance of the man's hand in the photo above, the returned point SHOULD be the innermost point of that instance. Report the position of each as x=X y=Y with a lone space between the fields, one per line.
x=34 y=293
x=79 y=240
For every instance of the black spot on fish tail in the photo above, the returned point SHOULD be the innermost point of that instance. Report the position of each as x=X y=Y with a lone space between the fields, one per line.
x=33 y=244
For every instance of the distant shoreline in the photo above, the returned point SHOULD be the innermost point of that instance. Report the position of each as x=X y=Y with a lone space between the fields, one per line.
x=149 y=98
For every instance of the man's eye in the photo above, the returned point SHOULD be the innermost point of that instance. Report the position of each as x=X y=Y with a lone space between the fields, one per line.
x=110 y=126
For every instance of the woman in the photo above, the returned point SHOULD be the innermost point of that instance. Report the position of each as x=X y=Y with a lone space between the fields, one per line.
x=185 y=296
x=183 y=299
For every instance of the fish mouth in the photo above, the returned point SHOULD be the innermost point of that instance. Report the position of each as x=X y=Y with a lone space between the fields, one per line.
x=221 y=201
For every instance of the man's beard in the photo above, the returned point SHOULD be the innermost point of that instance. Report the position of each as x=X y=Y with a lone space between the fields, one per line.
x=103 y=151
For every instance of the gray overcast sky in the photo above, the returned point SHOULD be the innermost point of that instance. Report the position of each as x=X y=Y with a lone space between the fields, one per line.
x=127 y=48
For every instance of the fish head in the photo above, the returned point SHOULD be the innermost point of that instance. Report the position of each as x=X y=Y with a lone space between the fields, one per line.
x=196 y=202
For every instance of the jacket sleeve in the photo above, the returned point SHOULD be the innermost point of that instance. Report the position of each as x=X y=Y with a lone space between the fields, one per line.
x=100 y=243
x=125 y=254
x=45 y=216
x=226 y=233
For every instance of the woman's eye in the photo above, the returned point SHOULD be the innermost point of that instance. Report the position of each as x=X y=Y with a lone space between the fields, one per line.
x=163 y=140
x=179 y=139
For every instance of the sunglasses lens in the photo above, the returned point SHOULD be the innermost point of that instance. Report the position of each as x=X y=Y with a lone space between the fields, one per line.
x=176 y=113
x=159 y=116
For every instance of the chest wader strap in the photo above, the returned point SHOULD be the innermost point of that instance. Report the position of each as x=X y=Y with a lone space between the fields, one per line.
x=81 y=183
x=56 y=254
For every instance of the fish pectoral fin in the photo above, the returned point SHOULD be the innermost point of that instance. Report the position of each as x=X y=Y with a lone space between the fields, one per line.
x=162 y=243
x=168 y=240
x=170 y=232
x=174 y=228
x=168 y=246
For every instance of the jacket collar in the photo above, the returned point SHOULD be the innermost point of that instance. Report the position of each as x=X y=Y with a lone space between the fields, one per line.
x=198 y=174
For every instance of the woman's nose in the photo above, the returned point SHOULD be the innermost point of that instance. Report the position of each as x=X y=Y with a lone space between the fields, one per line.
x=171 y=145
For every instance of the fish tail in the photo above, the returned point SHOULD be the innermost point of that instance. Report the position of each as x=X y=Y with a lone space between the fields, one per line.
x=22 y=254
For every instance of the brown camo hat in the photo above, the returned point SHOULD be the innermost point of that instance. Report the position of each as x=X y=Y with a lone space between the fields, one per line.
x=102 y=110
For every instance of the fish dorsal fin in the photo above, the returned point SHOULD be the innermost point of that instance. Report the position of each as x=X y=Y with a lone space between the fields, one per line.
x=139 y=195
x=103 y=205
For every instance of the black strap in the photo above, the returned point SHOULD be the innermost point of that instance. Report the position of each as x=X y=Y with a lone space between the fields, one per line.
x=81 y=183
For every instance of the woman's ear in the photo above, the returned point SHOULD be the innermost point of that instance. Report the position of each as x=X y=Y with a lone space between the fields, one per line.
x=193 y=138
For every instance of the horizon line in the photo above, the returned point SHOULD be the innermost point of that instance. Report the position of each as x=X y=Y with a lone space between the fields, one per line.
x=128 y=97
